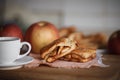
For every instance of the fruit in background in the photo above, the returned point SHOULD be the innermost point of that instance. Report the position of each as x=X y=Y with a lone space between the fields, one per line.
x=0 y=30
x=11 y=30
x=41 y=34
x=114 y=43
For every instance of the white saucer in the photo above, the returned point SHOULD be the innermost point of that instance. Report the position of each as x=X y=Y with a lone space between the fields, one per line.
x=10 y=68
x=16 y=64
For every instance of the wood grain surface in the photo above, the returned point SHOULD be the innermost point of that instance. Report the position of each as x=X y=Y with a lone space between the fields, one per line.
x=48 y=73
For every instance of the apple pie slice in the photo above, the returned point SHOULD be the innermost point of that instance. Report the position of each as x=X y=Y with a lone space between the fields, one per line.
x=58 y=49
x=80 y=55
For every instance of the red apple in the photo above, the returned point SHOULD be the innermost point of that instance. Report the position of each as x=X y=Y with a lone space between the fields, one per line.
x=114 y=43
x=41 y=34
x=11 y=30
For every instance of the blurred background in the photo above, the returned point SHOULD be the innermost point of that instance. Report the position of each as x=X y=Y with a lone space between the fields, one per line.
x=89 y=16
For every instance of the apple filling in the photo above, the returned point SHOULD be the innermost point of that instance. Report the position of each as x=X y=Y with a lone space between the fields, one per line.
x=57 y=53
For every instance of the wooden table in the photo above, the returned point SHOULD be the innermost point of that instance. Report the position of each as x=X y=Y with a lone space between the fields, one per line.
x=48 y=73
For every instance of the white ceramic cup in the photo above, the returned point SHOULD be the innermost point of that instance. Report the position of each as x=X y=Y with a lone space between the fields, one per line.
x=10 y=49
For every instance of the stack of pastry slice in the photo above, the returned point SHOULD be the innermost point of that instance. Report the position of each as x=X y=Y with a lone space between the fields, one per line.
x=68 y=50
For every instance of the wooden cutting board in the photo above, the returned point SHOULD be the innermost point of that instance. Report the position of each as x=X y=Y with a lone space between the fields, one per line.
x=48 y=73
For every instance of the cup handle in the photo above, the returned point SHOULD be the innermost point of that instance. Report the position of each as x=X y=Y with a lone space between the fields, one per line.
x=29 y=49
